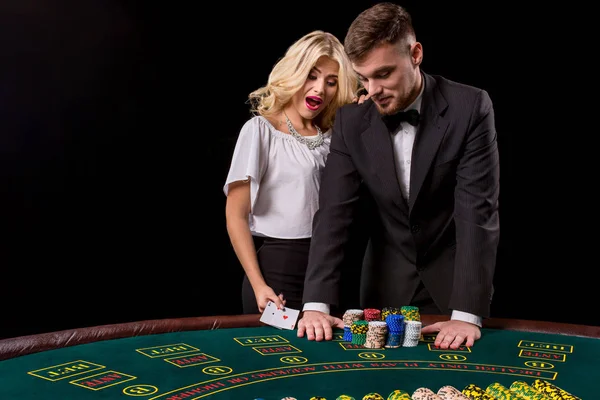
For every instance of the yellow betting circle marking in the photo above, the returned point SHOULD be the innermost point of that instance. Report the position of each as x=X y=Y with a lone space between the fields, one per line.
x=217 y=370
x=368 y=356
x=140 y=390
x=294 y=360
x=453 y=357
x=539 y=364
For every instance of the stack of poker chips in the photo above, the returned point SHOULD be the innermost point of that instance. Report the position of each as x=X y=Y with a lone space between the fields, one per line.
x=349 y=317
x=451 y=393
x=474 y=392
x=395 y=326
x=359 y=331
x=411 y=313
x=412 y=333
x=372 y=314
x=552 y=391
x=526 y=391
x=376 y=335
x=386 y=311
x=424 y=393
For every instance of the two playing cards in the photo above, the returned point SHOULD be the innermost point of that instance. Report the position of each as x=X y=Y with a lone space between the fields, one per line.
x=285 y=318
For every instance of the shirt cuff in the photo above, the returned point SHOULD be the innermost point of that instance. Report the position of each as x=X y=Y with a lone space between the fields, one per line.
x=324 y=308
x=466 y=317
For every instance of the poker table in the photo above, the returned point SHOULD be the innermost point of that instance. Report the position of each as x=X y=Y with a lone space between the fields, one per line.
x=238 y=357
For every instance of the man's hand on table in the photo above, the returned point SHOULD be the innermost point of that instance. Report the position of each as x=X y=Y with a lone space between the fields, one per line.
x=318 y=325
x=453 y=333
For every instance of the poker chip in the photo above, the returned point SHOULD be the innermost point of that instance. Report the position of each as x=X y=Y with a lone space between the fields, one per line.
x=524 y=390
x=474 y=392
x=399 y=395
x=411 y=313
x=318 y=398
x=352 y=315
x=373 y=396
x=387 y=311
x=552 y=391
x=501 y=392
x=345 y=397
x=451 y=393
x=372 y=314
x=289 y=398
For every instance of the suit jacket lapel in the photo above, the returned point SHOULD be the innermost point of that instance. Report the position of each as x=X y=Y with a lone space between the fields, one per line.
x=379 y=145
x=428 y=138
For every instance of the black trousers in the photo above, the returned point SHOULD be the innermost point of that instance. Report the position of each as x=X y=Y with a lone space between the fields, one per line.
x=283 y=264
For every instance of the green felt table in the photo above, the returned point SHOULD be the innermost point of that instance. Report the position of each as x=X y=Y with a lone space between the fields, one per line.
x=236 y=357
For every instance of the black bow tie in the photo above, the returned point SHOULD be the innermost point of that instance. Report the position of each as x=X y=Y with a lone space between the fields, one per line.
x=393 y=121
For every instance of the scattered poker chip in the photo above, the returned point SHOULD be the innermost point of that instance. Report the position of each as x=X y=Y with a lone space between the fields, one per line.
x=372 y=396
x=345 y=397
x=553 y=391
x=289 y=398
x=523 y=389
x=450 y=392
x=318 y=398
x=473 y=391
x=399 y=395
x=499 y=391
x=422 y=393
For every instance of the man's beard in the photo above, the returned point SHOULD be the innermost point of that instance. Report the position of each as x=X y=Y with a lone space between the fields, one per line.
x=391 y=109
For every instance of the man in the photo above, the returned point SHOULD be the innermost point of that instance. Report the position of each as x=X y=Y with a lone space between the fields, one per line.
x=432 y=176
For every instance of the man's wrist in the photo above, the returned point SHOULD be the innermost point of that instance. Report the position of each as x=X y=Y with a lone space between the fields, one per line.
x=314 y=306
x=466 y=317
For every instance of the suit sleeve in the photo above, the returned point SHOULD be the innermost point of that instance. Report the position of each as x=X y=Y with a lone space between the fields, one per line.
x=476 y=213
x=338 y=199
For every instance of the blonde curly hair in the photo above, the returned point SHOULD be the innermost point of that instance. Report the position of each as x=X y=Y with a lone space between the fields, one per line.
x=290 y=73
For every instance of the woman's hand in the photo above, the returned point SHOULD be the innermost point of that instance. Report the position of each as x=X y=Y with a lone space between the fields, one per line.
x=363 y=96
x=265 y=294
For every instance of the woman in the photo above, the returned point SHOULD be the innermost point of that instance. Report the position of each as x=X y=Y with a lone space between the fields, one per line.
x=274 y=178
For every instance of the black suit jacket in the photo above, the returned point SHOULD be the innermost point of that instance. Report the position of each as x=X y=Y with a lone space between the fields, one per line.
x=446 y=234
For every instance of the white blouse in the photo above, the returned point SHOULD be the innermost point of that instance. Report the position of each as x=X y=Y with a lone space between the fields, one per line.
x=285 y=177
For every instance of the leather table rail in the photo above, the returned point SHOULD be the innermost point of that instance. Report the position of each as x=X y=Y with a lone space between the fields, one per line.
x=23 y=345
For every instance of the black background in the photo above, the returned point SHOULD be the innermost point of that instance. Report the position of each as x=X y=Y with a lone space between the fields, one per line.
x=117 y=124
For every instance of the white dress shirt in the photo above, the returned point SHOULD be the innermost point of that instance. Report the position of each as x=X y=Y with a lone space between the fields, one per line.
x=403 y=140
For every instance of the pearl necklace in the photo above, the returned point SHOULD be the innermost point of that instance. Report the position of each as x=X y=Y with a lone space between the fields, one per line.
x=310 y=143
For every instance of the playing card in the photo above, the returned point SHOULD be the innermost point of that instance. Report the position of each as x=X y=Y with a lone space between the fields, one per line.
x=282 y=319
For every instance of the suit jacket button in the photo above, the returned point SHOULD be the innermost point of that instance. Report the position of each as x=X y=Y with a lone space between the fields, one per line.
x=415 y=228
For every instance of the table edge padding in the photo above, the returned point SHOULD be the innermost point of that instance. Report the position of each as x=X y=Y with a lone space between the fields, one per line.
x=23 y=345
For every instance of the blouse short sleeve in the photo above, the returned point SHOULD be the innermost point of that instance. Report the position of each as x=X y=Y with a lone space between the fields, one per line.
x=250 y=156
